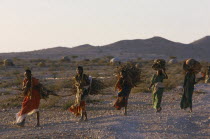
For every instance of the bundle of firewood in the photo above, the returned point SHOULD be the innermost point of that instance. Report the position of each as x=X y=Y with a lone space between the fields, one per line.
x=131 y=70
x=44 y=92
x=192 y=65
x=96 y=86
x=159 y=64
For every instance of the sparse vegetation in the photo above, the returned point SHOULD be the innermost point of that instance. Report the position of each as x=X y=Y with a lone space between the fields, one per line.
x=57 y=76
x=67 y=104
x=12 y=102
x=50 y=102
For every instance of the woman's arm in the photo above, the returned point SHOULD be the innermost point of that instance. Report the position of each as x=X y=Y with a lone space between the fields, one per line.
x=117 y=85
x=165 y=74
x=152 y=81
x=185 y=79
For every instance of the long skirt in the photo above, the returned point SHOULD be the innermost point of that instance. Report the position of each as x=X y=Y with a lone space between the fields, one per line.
x=186 y=100
x=77 y=109
x=122 y=99
x=80 y=102
x=121 y=102
x=29 y=106
x=157 y=98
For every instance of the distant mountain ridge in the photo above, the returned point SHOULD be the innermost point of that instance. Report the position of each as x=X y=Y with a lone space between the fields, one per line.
x=155 y=47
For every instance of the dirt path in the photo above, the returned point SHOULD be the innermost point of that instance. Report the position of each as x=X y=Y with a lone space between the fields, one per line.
x=106 y=123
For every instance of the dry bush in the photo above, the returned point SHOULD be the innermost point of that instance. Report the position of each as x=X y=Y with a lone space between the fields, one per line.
x=142 y=87
x=200 y=92
x=175 y=76
x=36 y=60
x=3 y=93
x=41 y=64
x=58 y=85
x=12 y=102
x=97 y=86
x=11 y=83
x=67 y=105
x=94 y=101
x=50 y=102
x=99 y=62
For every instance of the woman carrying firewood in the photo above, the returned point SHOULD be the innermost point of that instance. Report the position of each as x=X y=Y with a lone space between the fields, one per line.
x=191 y=67
x=82 y=83
x=124 y=86
x=157 y=86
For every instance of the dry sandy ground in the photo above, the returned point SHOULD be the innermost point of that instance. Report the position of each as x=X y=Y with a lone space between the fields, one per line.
x=106 y=123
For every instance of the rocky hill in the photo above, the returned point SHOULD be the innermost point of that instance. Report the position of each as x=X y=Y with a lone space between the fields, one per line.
x=156 y=47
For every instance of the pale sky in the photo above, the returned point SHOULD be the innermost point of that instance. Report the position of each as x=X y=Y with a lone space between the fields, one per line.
x=37 y=24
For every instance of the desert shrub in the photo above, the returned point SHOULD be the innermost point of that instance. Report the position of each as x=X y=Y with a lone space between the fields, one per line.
x=172 y=57
x=96 y=60
x=10 y=83
x=97 y=86
x=103 y=62
x=139 y=58
x=109 y=57
x=65 y=59
x=200 y=92
x=94 y=101
x=2 y=93
x=142 y=87
x=11 y=102
x=37 y=60
x=67 y=105
x=41 y=64
x=173 y=82
x=50 y=102
x=58 y=85
x=54 y=74
x=74 y=56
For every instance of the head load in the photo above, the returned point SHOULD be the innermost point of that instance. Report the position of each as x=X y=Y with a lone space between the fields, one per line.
x=129 y=70
x=159 y=64
x=192 y=65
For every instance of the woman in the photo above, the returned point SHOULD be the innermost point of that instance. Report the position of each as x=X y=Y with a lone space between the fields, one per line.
x=31 y=100
x=124 y=86
x=207 y=76
x=82 y=83
x=189 y=83
x=158 y=88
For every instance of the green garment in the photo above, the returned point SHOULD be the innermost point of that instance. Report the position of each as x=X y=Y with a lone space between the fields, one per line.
x=157 y=93
x=156 y=98
x=189 y=82
x=207 y=78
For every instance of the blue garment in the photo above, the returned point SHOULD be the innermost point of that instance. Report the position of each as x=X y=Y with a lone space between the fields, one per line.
x=125 y=92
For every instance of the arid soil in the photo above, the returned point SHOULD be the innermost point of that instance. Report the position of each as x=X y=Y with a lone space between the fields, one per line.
x=107 y=123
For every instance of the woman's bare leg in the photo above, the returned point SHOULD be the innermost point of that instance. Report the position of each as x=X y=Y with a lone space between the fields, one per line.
x=125 y=112
x=37 y=118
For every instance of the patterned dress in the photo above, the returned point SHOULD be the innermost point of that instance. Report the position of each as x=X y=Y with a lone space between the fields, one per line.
x=82 y=84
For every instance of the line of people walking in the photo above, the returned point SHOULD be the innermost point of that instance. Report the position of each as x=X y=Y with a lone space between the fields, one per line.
x=32 y=90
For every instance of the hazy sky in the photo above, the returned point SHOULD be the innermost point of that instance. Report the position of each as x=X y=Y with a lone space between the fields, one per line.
x=37 y=24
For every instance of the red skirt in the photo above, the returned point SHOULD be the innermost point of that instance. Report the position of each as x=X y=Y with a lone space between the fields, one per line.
x=77 y=110
x=30 y=104
x=121 y=102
